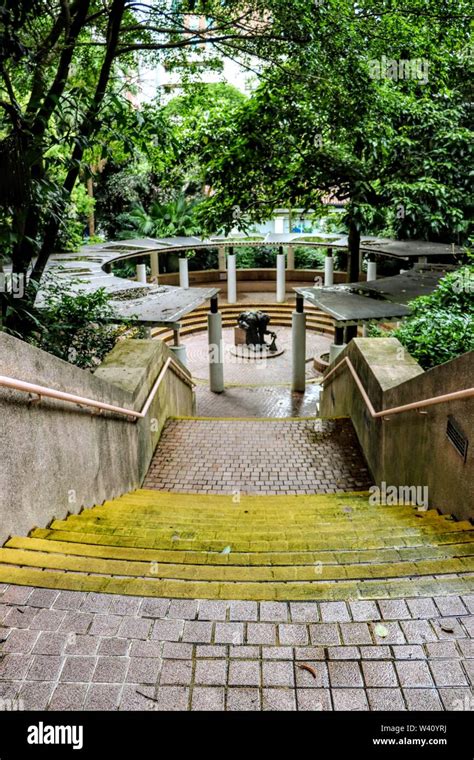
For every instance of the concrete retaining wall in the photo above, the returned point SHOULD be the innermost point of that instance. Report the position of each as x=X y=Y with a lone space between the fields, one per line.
x=409 y=449
x=56 y=458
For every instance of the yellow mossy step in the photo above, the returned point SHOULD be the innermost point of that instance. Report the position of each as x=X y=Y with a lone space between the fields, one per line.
x=291 y=591
x=351 y=557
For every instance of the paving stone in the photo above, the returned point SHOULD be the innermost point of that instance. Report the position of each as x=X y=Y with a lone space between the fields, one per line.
x=172 y=698
x=304 y=612
x=11 y=690
x=380 y=652
x=197 y=632
x=78 y=669
x=168 y=630
x=150 y=649
x=450 y=605
x=208 y=698
x=244 y=673
x=134 y=628
x=105 y=625
x=20 y=617
x=113 y=647
x=261 y=633
x=394 y=609
x=334 y=612
x=183 y=609
x=273 y=612
x=413 y=674
x=211 y=650
x=394 y=634
x=125 y=605
x=138 y=698
x=211 y=672
x=77 y=643
x=111 y=669
x=317 y=678
x=35 y=695
x=245 y=700
x=48 y=643
x=293 y=634
x=310 y=653
x=418 y=631
x=448 y=628
x=466 y=647
x=442 y=649
x=45 y=667
x=448 y=673
x=144 y=670
x=14 y=666
x=243 y=611
x=47 y=620
x=422 y=608
x=69 y=600
x=42 y=597
x=343 y=653
x=277 y=673
x=209 y=610
x=69 y=696
x=281 y=700
x=176 y=672
x=154 y=608
x=349 y=699
x=96 y=602
x=468 y=623
x=386 y=699
x=345 y=673
x=313 y=700
x=229 y=633
x=20 y=641
x=76 y=622
x=16 y=595
x=409 y=652
x=364 y=611
x=458 y=698
x=468 y=601
x=422 y=699
x=325 y=634
x=377 y=673
x=356 y=633
x=277 y=653
x=102 y=697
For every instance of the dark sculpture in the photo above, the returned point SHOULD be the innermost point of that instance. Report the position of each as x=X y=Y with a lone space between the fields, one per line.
x=255 y=324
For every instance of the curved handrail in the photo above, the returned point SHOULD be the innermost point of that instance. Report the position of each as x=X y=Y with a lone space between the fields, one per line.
x=466 y=393
x=131 y=414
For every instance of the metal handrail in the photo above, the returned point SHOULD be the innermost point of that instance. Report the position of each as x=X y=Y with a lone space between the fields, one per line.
x=71 y=398
x=466 y=393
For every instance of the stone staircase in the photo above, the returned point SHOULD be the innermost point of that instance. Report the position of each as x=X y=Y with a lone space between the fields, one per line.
x=335 y=546
x=280 y=314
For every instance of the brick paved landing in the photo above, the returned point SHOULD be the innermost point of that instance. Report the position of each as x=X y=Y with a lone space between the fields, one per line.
x=258 y=456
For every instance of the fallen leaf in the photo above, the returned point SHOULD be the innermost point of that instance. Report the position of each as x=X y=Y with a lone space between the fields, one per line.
x=226 y=550
x=447 y=627
x=308 y=668
x=381 y=631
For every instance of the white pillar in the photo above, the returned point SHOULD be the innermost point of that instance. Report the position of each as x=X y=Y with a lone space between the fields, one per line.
x=216 y=352
x=371 y=270
x=221 y=255
x=280 y=284
x=279 y=225
x=180 y=353
x=298 y=330
x=329 y=270
x=154 y=265
x=231 y=278
x=183 y=272
x=290 y=262
x=141 y=273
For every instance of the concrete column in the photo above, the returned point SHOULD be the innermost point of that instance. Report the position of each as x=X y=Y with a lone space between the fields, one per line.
x=141 y=273
x=290 y=261
x=154 y=264
x=216 y=350
x=279 y=225
x=231 y=277
x=298 y=335
x=329 y=268
x=371 y=270
x=280 y=283
x=338 y=345
x=221 y=255
x=183 y=272
x=351 y=332
x=178 y=349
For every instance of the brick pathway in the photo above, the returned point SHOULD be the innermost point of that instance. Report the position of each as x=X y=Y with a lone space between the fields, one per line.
x=257 y=402
x=268 y=457
x=64 y=650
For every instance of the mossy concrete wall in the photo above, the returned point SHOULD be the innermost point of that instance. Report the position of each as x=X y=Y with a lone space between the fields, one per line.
x=409 y=449
x=56 y=458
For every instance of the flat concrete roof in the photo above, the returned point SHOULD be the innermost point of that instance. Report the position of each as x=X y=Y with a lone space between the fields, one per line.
x=349 y=308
